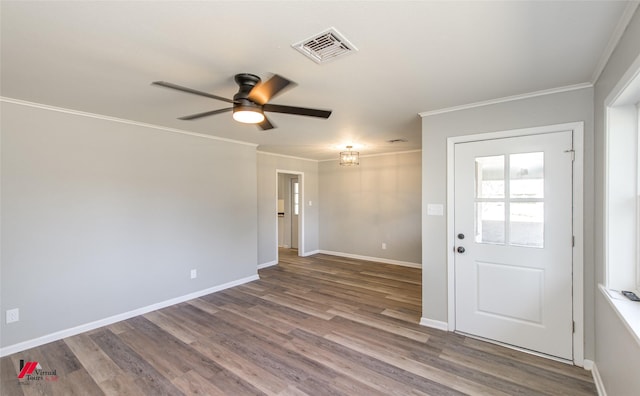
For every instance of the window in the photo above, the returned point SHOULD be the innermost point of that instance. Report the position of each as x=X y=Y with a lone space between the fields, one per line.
x=638 y=198
x=623 y=189
x=510 y=210
x=296 y=198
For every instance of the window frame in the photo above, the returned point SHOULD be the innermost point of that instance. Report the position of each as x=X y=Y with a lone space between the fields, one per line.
x=622 y=258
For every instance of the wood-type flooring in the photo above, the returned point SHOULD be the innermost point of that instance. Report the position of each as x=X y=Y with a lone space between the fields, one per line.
x=318 y=325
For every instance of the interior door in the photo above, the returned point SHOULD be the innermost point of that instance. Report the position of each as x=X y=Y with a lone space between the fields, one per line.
x=513 y=229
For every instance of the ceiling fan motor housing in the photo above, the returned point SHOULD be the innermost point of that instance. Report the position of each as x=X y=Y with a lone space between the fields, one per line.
x=246 y=82
x=242 y=103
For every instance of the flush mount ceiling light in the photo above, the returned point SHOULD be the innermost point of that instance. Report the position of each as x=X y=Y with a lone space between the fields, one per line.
x=349 y=157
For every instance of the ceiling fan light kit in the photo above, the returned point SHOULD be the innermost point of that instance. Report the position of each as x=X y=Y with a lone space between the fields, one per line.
x=251 y=100
x=248 y=114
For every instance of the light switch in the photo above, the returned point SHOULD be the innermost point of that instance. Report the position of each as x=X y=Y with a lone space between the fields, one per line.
x=435 y=210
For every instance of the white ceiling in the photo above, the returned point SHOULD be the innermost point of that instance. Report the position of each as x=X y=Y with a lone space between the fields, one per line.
x=419 y=56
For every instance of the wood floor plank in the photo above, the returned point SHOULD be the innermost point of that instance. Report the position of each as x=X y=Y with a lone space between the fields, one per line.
x=176 y=328
x=356 y=365
x=429 y=377
x=243 y=367
x=316 y=325
x=529 y=359
x=146 y=376
x=92 y=358
x=121 y=385
x=392 y=328
x=9 y=382
x=298 y=305
x=192 y=383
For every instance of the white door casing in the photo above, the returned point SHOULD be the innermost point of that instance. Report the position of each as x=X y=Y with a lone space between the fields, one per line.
x=529 y=303
x=295 y=210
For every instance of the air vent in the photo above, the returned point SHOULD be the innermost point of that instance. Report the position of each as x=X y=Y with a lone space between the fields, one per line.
x=399 y=140
x=325 y=46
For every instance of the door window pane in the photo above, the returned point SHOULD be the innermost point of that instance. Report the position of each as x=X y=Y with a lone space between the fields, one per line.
x=296 y=198
x=526 y=224
x=490 y=222
x=490 y=177
x=527 y=175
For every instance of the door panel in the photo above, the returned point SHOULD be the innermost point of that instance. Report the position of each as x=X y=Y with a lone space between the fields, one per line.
x=526 y=283
x=513 y=204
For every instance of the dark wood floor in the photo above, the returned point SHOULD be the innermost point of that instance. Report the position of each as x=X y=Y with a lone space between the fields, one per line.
x=320 y=325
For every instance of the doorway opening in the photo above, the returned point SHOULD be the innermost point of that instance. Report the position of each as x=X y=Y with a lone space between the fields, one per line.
x=289 y=198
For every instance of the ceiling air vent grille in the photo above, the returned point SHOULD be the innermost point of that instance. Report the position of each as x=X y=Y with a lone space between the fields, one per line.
x=325 y=46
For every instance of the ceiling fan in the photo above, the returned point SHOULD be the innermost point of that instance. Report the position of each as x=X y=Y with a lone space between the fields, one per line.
x=251 y=101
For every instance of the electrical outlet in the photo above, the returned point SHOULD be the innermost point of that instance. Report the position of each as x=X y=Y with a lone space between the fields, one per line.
x=13 y=315
x=384 y=246
x=194 y=274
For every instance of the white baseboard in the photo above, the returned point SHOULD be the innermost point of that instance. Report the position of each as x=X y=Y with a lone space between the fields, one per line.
x=269 y=264
x=436 y=324
x=587 y=364
x=311 y=253
x=596 y=378
x=58 y=335
x=368 y=258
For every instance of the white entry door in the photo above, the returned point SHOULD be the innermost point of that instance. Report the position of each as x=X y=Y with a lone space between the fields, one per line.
x=513 y=230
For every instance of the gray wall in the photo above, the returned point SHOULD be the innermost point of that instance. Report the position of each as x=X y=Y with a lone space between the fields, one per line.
x=100 y=218
x=616 y=349
x=375 y=202
x=267 y=192
x=551 y=109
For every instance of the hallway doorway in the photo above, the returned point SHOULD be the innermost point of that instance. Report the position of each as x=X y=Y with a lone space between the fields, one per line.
x=290 y=230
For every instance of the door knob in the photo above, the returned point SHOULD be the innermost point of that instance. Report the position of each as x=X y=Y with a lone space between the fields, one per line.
x=460 y=249
x=460 y=236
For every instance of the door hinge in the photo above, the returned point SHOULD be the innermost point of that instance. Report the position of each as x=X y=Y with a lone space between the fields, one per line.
x=573 y=241
x=573 y=154
x=573 y=327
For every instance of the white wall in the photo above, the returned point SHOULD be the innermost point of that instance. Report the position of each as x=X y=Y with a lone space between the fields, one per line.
x=370 y=204
x=558 y=108
x=616 y=350
x=100 y=217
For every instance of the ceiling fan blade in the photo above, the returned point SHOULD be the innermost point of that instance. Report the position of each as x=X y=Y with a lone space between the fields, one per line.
x=263 y=92
x=205 y=114
x=191 y=91
x=266 y=124
x=296 y=110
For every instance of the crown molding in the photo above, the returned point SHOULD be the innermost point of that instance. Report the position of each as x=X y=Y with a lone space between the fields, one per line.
x=377 y=155
x=551 y=91
x=118 y=120
x=285 y=156
x=616 y=35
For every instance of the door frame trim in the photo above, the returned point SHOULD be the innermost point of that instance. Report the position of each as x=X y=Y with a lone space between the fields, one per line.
x=301 y=251
x=578 y=221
